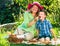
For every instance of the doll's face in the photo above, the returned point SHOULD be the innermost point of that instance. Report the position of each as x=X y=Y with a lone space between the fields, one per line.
x=42 y=15
x=34 y=8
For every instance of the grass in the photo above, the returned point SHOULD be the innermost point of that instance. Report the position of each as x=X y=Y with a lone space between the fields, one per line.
x=29 y=45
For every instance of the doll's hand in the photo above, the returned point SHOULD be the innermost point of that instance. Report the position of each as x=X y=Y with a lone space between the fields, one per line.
x=36 y=19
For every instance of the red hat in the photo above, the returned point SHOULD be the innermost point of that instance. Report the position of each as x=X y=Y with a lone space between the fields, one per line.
x=37 y=4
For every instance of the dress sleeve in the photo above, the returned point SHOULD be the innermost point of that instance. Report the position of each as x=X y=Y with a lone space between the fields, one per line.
x=26 y=19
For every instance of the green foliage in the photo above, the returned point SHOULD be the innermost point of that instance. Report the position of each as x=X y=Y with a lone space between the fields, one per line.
x=5 y=12
x=11 y=11
x=3 y=42
x=52 y=7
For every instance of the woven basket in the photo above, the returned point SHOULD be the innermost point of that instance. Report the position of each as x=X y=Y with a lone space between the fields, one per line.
x=14 y=39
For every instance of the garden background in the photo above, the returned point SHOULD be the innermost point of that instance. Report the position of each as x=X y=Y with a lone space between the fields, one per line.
x=11 y=15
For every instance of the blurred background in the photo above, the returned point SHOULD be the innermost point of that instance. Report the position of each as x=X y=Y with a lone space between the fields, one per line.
x=11 y=14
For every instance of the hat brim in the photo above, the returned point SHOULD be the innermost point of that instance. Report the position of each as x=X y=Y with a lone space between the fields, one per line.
x=39 y=6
